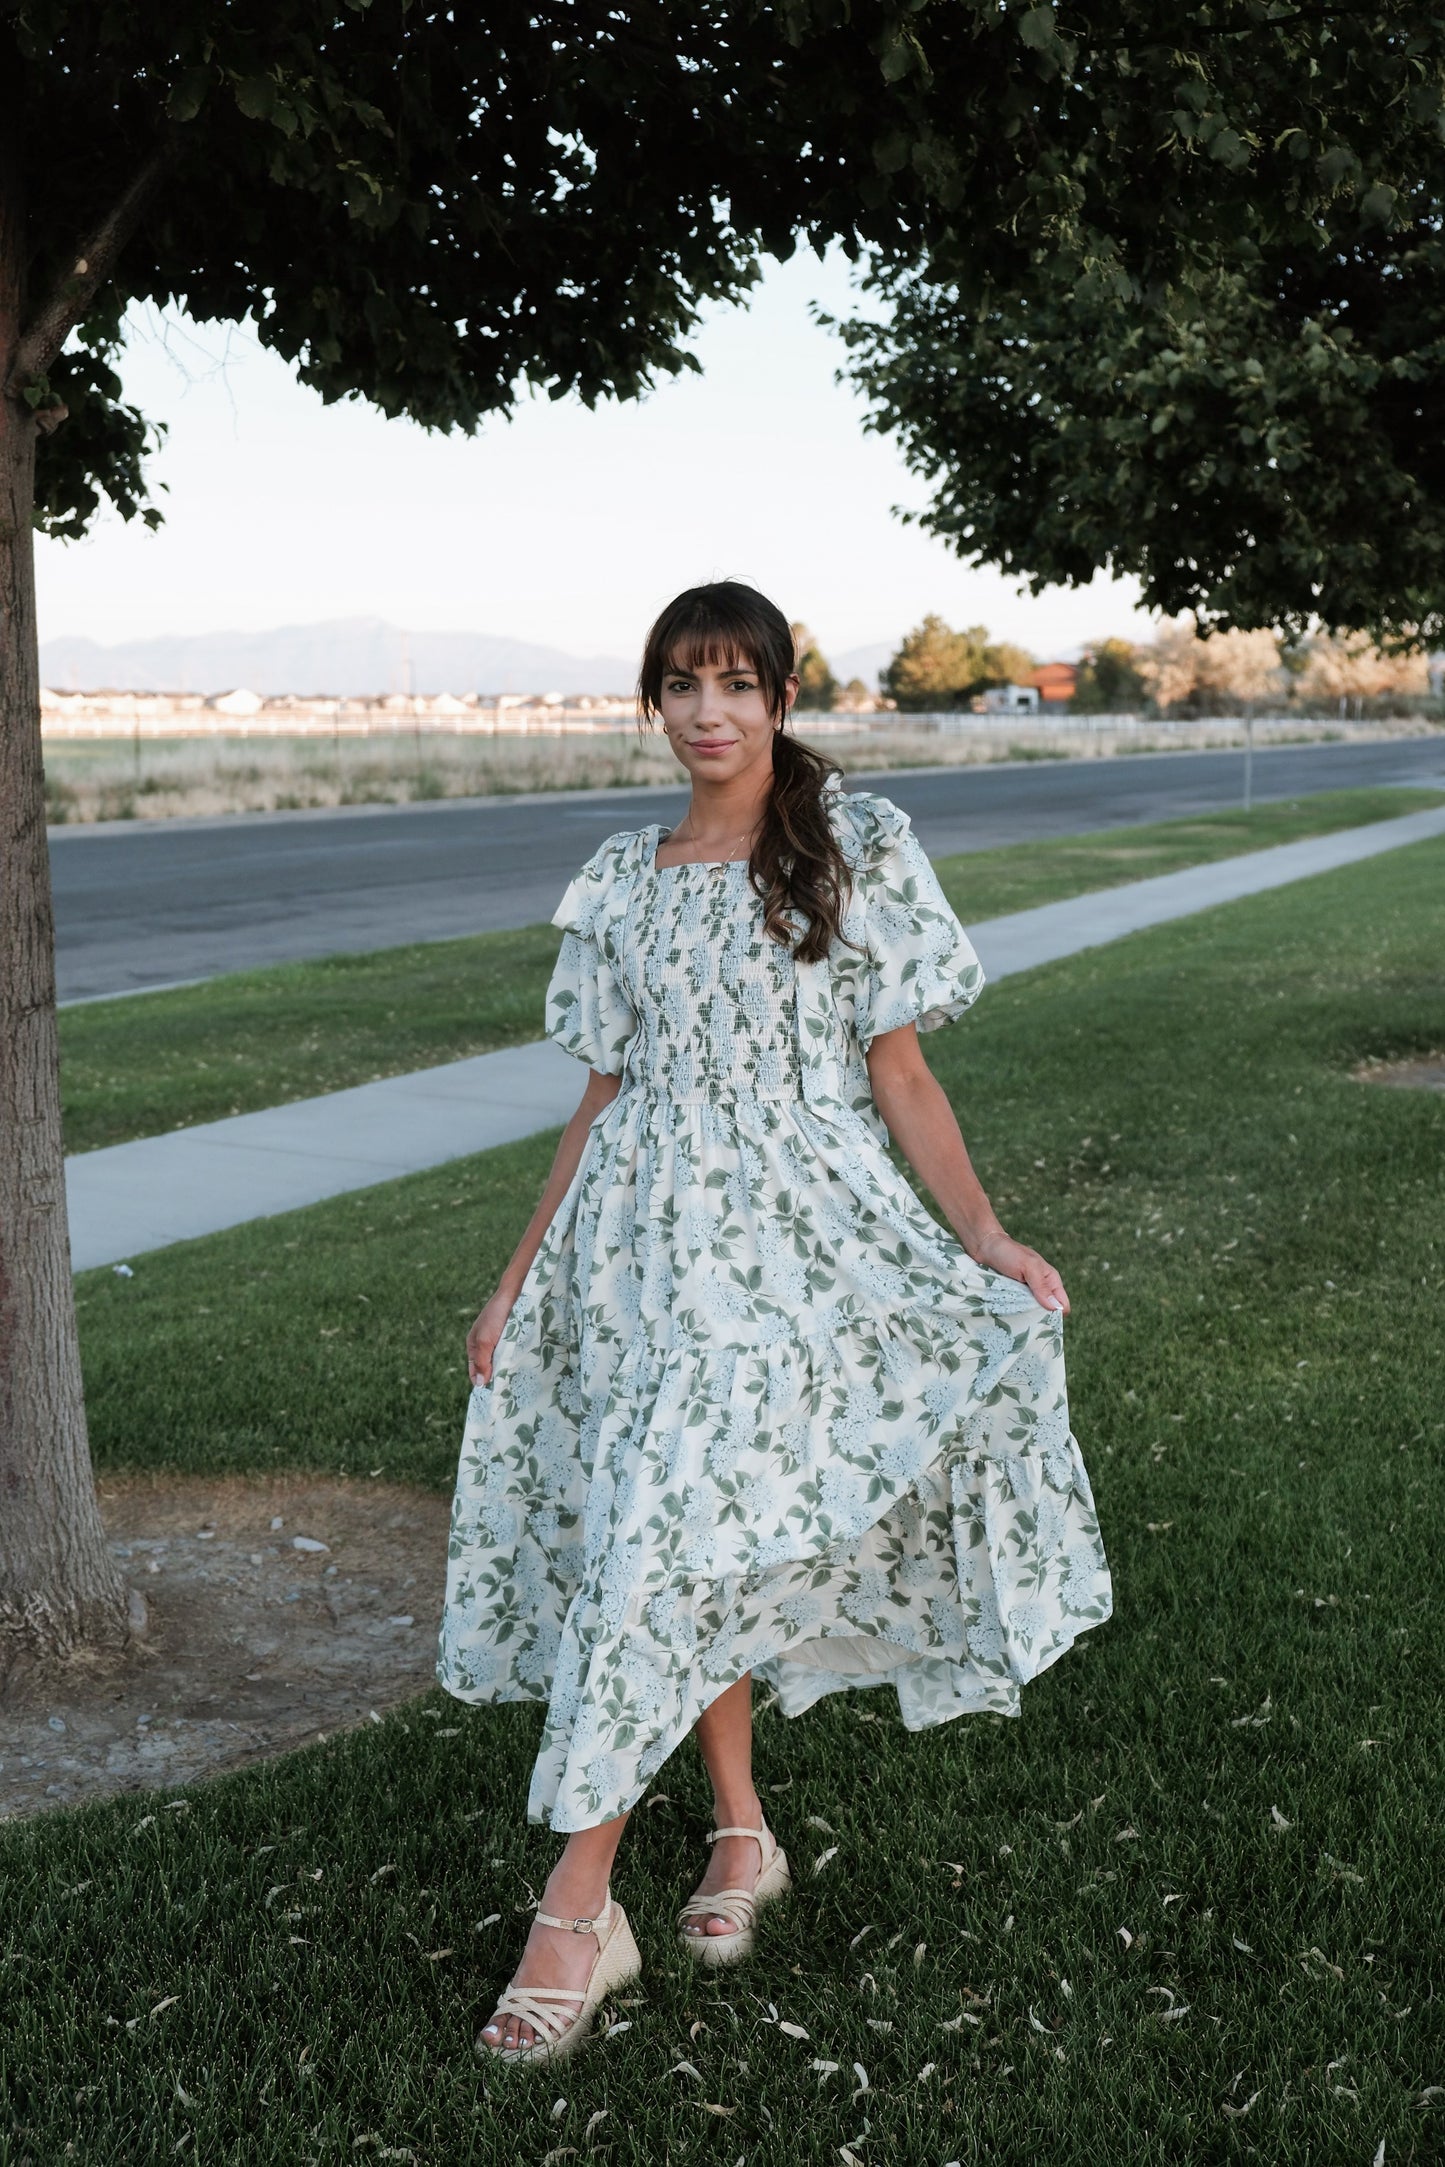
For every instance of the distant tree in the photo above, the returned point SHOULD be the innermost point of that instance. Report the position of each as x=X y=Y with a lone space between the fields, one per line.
x=818 y=687
x=1108 y=681
x=1346 y=666
x=1005 y=664
x=856 y=698
x=1226 y=670
x=936 y=667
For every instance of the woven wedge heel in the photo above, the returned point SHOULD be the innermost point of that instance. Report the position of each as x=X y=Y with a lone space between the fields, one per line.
x=562 y=2029
x=739 y=1907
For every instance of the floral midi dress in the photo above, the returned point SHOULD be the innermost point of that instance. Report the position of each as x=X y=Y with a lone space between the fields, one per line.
x=754 y=1408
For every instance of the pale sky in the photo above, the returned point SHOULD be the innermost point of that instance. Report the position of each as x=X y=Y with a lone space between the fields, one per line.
x=565 y=527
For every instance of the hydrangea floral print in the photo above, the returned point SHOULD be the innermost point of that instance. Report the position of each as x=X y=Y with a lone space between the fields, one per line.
x=754 y=1407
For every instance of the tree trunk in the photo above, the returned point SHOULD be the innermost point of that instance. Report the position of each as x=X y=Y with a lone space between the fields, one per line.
x=60 y=1590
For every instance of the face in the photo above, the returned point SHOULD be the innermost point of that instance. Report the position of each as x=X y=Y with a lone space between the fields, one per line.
x=717 y=719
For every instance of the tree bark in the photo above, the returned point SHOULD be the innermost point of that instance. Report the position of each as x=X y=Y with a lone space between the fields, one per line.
x=60 y=1589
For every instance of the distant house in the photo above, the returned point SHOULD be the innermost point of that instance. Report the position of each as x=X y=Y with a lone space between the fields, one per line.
x=1055 y=683
x=239 y=702
x=1007 y=700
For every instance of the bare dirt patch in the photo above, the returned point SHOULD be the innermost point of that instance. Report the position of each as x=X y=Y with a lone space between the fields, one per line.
x=1426 y=1073
x=253 y=1645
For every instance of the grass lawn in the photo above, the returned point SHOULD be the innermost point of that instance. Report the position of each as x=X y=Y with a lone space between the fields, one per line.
x=137 y=1067
x=1185 y=1910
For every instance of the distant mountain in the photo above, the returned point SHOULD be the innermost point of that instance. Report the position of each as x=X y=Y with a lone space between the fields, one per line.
x=352 y=657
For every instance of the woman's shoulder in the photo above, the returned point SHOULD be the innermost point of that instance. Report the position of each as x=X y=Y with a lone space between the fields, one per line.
x=867 y=825
x=586 y=894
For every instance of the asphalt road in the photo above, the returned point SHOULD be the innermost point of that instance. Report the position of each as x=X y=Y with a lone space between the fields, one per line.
x=149 y=904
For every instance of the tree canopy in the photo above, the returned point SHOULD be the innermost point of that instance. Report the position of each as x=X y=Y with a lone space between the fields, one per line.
x=1245 y=412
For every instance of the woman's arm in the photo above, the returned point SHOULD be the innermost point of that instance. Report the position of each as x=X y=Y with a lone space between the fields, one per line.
x=484 y=1334
x=921 y=1122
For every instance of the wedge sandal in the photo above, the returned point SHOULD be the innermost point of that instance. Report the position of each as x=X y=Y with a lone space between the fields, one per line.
x=739 y=1907
x=563 y=2016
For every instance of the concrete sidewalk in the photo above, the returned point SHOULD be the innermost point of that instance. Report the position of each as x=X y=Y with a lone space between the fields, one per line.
x=134 y=1197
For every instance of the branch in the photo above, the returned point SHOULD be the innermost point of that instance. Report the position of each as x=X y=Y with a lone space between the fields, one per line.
x=94 y=262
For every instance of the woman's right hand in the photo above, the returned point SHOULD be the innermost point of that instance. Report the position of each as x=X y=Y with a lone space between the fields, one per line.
x=484 y=1334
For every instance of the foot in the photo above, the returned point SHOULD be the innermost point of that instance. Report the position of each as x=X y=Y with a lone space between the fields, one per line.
x=553 y=1957
x=734 y=1862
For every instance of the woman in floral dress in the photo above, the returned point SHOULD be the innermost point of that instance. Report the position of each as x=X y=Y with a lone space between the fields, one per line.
x=741 y=1405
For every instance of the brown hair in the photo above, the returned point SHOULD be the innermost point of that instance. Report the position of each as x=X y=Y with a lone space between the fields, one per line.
x=795 y=860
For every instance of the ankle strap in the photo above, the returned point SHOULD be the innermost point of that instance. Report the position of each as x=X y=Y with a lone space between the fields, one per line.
x=759 y=1835
x=578 y=1926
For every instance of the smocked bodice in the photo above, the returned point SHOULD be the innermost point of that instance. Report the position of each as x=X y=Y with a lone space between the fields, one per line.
x=713 y=994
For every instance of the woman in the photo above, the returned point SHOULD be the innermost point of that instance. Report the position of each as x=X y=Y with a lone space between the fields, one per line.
x=740 y=1404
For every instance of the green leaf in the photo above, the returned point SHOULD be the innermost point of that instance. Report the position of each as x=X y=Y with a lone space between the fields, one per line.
x=1038 y=29
x=1335 y=164
x=1228 y=149
x=188 y=93
x=256 y=96
x=900 y=56
x=1377 y=205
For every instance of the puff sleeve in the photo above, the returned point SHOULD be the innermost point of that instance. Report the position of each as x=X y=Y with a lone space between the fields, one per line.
x=920 y=965
x=587 y=1011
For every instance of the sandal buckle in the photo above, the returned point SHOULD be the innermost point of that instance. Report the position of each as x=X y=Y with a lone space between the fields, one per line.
x=583 y=1926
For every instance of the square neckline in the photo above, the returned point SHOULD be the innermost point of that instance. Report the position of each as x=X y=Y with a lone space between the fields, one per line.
x=706 y=865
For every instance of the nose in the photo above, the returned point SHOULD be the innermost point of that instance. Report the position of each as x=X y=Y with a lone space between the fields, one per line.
x=711 y=710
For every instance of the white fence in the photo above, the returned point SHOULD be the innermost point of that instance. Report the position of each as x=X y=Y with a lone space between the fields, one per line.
x=137 y=717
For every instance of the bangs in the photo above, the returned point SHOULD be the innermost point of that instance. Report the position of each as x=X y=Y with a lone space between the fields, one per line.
x=709 y=649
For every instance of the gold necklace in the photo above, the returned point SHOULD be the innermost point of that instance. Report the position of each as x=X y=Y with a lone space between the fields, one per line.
x=718 y=863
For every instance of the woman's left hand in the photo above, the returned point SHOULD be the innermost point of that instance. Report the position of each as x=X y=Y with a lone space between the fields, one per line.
x=1016 y=1261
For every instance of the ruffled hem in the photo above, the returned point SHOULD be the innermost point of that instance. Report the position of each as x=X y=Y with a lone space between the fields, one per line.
x=624 y=1689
